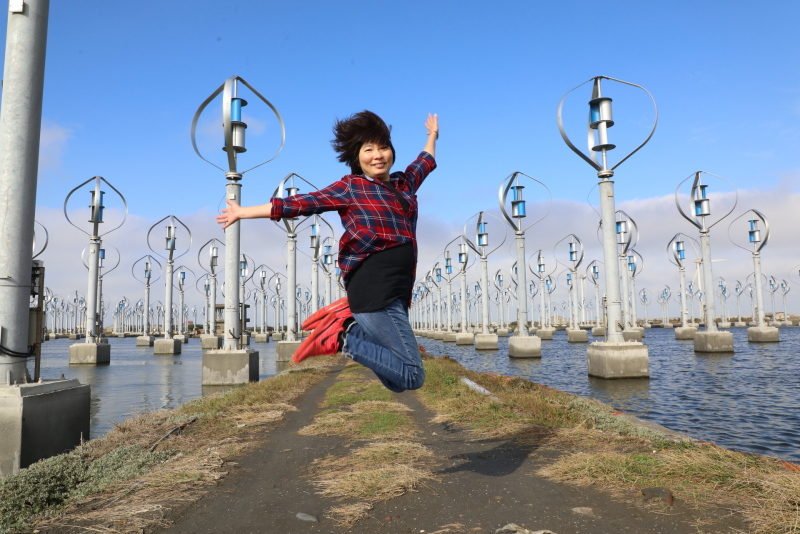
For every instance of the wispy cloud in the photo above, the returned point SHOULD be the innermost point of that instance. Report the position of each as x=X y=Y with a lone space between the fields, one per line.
x=52 y=144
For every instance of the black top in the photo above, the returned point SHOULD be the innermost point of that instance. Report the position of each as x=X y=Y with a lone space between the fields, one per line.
x=383 y=277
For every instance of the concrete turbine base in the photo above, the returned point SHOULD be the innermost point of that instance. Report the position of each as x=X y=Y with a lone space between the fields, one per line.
x=144 y=341
x=40 y=420
x=166 y=346
x=740 y=324
x=437 y=335
x=627 y=359
x=713 y=341
x=599 y=331
x=577 y=335
x=277 y=336
x=667 y=325
x=210 y=342
x=285 y=349
x=685 y=332
x=89 y=354
x=634 y=333
x=226 y=367
x=465 y=338
x=525 y=347
x=260 y=338
x=449 y=337
x=502 y=332
x=763 y=334
x=546 y=332
x=485 y=341
x=724 y=324
x=183 y=338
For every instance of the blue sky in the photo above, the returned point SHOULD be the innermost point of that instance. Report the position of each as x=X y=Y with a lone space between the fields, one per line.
x=123 y=80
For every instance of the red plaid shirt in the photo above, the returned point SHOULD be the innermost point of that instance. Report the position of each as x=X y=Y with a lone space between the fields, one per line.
x=373 y=217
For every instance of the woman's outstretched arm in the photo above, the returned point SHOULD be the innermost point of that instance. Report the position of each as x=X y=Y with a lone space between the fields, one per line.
x=432 y=125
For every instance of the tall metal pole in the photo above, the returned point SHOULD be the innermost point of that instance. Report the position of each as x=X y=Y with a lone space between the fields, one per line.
x=613 y=301
x=291 y=275
x=708 y=304
x=20 y=128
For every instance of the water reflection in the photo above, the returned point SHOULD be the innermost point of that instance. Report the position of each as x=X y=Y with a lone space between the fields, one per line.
x=745 y=401
x=137 y=381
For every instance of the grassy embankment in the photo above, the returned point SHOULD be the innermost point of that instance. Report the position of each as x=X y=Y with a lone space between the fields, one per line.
x=130 y=478
x=597 y=446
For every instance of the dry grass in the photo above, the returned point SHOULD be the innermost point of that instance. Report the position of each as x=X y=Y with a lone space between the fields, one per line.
x=599 y=447
x=763 y=489
x=375 y=472
x=225 y=426
x=390 y=465
x=518 y=404
x=347 y=515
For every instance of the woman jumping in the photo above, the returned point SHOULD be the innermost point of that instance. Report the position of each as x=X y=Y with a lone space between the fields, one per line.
x=377 y=252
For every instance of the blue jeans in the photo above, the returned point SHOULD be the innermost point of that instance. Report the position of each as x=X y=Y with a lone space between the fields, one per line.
x=383 y=341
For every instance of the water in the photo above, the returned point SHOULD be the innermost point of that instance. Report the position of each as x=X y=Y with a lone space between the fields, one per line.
x=136 y=381
x=748 y=401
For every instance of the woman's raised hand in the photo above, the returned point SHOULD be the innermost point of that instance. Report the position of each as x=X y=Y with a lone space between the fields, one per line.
x=432 y=124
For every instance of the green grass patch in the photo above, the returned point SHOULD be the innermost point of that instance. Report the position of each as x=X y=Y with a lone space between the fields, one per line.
x=349 y=392
x=379 y=424
x=47 y=485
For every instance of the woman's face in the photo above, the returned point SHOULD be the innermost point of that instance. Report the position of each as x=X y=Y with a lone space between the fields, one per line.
x=375 y=160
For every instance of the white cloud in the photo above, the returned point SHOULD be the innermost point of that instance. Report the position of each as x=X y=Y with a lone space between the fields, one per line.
x=52 y=143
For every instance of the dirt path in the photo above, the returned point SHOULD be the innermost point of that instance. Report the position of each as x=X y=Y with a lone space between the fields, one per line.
x=480 y=486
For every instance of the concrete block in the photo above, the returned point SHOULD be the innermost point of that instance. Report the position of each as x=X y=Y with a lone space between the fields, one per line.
x=633 y=333
x=667 y=325
x=740 y=324
x=449 y=337
x=277 y=336
x=685 y=332
x=465 y=338
x=502 y=332
x=524 y=347
x=72 y=336
x=41 y=420
x=285 y=349
x=723 y=324
x=437 y=335
x=546 y=333
x=577 y=335
x=713 y=341
x=618 y=360
x=144 y=341
x=89 y=354
x=261 y=338
x=485 y=341
x=763 y=334
x=166 y=346
x=599 y=331
x=222 y=367
x=210 y=342
x=183 y=338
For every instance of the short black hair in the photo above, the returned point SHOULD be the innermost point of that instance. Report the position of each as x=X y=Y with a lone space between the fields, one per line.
x=356 y=130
